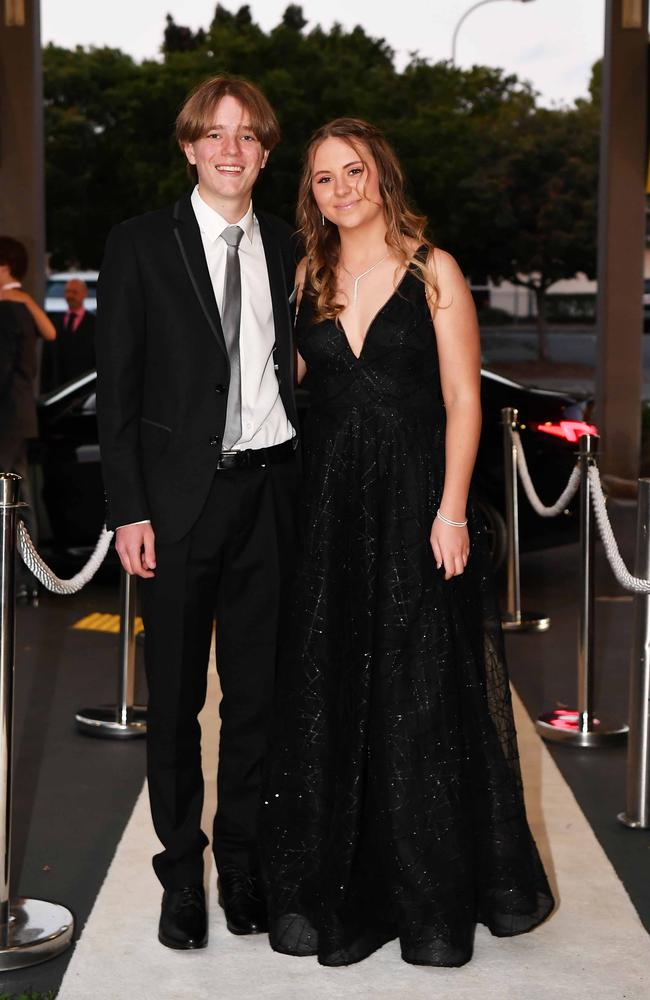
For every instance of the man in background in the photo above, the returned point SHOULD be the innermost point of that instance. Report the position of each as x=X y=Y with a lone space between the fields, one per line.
x=73 y=352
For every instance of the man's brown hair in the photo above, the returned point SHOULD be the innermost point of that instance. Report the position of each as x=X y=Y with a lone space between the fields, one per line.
x=196 y=115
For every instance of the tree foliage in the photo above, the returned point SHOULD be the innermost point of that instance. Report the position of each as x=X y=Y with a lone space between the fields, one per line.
x=508 y=187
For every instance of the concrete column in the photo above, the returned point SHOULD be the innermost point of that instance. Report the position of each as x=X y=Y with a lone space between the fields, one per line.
x=22 y=172
x=621 y=235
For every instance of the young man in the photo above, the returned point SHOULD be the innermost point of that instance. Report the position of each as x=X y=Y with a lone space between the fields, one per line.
x=197 y=431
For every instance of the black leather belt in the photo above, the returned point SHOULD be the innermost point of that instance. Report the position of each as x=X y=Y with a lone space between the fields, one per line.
x=257 y=458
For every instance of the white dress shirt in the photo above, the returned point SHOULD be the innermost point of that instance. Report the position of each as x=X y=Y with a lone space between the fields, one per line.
x=264 y=421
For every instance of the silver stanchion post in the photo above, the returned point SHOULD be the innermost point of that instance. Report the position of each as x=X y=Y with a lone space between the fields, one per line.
x=637 y=800
x=31 y=930
x=125 y=719
x=514 y=619
x=579 y=727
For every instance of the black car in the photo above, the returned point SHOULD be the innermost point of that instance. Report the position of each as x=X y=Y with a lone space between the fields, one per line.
x=73 y=495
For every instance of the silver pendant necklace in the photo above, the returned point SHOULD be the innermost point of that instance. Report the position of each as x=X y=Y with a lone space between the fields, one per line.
x=357 y=278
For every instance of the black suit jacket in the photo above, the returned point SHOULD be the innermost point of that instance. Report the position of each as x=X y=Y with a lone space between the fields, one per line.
x=17 y=373
x=163 y=367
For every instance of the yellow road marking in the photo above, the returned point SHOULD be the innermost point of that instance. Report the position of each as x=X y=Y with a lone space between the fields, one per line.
x=98 y=622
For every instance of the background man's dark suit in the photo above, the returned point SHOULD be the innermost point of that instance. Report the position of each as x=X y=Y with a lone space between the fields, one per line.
x=163 y=374
x=72 y=353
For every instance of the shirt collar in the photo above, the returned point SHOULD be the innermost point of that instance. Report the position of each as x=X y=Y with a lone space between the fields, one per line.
x=212 y=224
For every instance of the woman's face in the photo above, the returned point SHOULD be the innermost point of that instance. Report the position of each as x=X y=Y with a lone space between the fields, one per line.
x=345 y=187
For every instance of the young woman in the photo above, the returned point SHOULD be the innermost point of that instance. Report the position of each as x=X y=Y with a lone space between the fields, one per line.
x=393 y=804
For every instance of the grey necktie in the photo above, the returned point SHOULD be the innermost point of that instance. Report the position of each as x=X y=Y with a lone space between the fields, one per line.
x=231 y=322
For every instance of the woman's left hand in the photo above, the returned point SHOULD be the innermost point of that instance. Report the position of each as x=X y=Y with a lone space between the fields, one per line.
x=450 y=547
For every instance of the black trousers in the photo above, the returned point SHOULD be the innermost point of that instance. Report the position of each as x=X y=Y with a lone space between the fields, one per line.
x=234 y=564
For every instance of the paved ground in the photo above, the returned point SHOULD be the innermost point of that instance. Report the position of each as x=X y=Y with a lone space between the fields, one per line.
x=74 y=794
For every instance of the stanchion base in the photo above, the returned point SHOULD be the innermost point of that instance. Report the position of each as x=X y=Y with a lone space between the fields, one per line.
x=105 y=721
x=37 y=932
x=562 y=726
x=633 y=824
x=527 y=621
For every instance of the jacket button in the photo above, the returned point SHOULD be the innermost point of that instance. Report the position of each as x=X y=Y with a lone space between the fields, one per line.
x=214 y=441
x=220 y=388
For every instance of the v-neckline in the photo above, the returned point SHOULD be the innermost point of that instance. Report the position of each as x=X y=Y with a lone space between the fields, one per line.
x=357 y=357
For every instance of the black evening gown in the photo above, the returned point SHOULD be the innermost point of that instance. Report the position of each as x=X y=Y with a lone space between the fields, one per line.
x=393 y=801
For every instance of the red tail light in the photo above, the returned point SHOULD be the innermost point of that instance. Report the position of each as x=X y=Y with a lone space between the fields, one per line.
x=570 y=430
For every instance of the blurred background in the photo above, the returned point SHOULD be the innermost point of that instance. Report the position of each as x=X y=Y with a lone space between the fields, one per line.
x=521 y=126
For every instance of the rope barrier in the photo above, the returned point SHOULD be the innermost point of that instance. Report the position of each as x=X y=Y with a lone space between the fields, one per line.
x=614 y=557
x=540 y=508
x=47 y=577
x=620 y=570
x=32 y=929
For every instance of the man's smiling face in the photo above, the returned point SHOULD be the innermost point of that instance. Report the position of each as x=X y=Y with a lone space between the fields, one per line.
x=228 y=157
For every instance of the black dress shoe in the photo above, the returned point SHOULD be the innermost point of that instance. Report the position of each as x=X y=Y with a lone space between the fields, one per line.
x=241 y=899
x=183 y=921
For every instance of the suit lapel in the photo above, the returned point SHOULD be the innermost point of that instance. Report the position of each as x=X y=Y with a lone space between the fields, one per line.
x=278 y=281
x=190 y=244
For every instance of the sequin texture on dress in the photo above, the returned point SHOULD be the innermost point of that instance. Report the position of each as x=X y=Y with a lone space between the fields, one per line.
x=393 y=803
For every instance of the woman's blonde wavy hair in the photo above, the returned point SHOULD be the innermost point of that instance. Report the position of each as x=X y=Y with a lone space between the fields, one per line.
x=321 y=241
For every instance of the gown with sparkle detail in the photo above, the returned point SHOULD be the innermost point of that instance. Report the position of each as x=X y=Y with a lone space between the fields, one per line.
x=393 y=803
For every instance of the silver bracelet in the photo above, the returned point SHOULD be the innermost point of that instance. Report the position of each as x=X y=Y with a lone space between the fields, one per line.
x=447 y=520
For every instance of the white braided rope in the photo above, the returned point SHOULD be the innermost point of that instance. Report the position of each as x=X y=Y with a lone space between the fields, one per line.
x=540 y=508
x=624 y=577
x=49 y=579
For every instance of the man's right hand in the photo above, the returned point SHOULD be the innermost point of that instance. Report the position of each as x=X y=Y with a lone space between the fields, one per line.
x=134 y=544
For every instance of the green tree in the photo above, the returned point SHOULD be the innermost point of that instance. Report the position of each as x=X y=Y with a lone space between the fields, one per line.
x=533 y=210
x=180 y=39
x=508 y=188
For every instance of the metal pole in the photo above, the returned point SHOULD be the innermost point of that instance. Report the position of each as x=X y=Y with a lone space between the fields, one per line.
x=579 y=727
x=514 y=620
x=637 y=801
x=588 y=446
x=126 y=677
x=460 y=23
x=125 y=719
x=510 y=417
x=31 y=930
x=9 y=503
x=454 y=39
